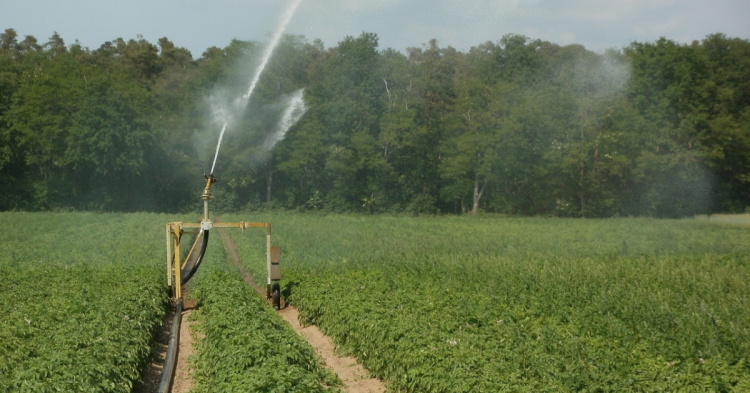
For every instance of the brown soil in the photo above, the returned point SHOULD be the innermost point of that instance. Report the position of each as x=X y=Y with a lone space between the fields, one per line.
x=183 y=381
x=183 y=378
x=355 y=377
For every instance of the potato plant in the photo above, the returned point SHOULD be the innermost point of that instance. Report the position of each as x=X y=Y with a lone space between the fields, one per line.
x=245 y=346
x=81 y=296
x=458 y=304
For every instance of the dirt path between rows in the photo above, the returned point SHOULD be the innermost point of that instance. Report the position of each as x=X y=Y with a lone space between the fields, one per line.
x=183 y=380
x=183 y=377
x=355 y=377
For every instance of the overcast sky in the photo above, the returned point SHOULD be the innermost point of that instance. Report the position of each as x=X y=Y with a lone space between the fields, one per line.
x=200 y=24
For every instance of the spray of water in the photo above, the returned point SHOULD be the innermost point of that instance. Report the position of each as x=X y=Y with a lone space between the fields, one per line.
x=269 y=50
x=218 y=146
x=222 y=114
x=295 y=108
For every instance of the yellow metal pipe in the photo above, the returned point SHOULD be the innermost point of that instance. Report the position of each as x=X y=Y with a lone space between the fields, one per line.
x=211 y=179
x=175 y=263
x=240 y=224
x=192 y=248
x=268 y=259
x=169 y=257
x=177 y=275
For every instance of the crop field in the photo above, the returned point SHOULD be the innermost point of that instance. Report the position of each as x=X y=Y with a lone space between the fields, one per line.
x=428 y=304
x=246 y=346
x=459 y=304
x=81 y=296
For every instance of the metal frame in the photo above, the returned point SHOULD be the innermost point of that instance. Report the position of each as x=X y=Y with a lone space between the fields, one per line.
x=175 y=230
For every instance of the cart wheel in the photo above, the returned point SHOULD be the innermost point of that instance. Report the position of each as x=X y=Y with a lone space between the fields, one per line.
x=276 y=296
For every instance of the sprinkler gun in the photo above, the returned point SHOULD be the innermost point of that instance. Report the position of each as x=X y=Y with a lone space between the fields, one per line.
x=180 y=270
x=206 y=222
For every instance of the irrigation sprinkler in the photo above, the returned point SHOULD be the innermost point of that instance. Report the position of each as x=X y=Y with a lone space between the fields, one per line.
x=180 y=270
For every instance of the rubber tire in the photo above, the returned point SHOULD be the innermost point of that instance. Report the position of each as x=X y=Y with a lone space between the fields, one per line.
x=276 y=297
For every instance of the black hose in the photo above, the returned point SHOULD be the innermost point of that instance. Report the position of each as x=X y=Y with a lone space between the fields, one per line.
x=192 y=265
x=167 y=374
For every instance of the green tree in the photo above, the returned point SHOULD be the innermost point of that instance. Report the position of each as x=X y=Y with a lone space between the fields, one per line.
x=55 y=46
x=671 y=89
x=12 y=167
x=433 y=86
x=344 y=95
x=109 y=144
x=593 y=86
x=470 y=151
x=399 y=131
x=727 y=135
x=9 y=46
x=39 y=119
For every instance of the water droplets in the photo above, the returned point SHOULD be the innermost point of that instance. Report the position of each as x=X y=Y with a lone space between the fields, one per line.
x=225 y=112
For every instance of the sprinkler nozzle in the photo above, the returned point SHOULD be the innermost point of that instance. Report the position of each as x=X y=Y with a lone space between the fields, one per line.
x=210 y=179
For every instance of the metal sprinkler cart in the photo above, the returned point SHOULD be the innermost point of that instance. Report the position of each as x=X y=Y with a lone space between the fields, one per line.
x=179 y=270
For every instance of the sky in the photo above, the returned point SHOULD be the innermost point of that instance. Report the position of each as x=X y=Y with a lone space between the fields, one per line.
x=399 y=24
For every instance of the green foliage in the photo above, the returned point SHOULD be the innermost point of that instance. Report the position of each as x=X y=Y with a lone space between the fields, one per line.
x=517 y=126
x=451 y=304
x=246 y=346
x=83 y=296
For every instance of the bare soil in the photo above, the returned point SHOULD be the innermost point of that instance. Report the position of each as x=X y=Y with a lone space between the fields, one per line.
x=183 y=381
x=183 y=378
x=355 y=377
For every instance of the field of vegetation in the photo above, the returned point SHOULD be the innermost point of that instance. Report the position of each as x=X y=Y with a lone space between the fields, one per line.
x=81 y=296
x=428 y=304
x=245 y=346
x=457 y=304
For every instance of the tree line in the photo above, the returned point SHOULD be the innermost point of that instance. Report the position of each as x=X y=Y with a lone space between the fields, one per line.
x=517 y=126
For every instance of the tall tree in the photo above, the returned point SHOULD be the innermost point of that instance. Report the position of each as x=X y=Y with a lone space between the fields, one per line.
x=434 y=69
x=727 y=135
x=671 y=89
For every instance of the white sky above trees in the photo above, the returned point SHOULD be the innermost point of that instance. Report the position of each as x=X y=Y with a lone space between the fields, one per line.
x=199 y=24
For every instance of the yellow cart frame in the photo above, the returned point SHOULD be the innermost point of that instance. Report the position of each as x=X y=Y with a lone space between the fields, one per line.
x=175 y=231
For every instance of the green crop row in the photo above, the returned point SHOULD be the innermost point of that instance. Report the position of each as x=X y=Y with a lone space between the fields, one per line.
x=433 y=304
x=245 y=346
x=81 y=296
x=453 y=304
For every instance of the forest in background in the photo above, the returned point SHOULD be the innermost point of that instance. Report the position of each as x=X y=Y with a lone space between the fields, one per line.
x=517 y=126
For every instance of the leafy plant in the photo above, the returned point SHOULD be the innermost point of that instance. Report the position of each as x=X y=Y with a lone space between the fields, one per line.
x=245 y=345
x=452 y=304
x=82 y=296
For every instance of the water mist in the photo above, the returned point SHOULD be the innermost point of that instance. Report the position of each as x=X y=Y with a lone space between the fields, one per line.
x=295 y=108
x=223 y=113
